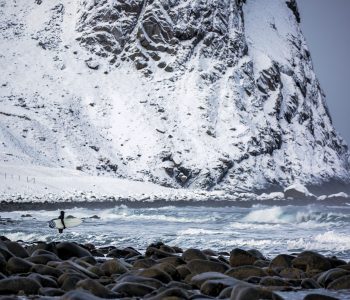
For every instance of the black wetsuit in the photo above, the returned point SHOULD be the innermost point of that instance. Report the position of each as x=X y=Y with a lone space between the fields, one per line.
x=61 y=217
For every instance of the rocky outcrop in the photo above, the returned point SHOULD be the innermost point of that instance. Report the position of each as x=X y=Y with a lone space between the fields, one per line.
x=278 y=109
x=195 y=94
x=206 y=276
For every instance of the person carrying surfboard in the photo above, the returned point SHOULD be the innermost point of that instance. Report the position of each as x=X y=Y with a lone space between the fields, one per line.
x=62 y=223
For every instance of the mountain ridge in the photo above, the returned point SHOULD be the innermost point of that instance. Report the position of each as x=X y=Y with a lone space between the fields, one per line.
x=205 y=95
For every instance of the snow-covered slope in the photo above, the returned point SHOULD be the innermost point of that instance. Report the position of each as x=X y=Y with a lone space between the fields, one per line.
x=215 y=94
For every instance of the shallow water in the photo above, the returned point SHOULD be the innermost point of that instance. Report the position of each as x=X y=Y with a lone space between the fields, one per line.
x=271 y=229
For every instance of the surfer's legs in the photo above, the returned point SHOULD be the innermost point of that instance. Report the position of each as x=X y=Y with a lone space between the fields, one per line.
x=61 y=217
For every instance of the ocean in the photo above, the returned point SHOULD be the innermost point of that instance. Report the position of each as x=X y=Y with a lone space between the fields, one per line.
x=270 y=229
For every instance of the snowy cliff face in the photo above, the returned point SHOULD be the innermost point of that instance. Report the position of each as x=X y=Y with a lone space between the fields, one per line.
x=217 y=94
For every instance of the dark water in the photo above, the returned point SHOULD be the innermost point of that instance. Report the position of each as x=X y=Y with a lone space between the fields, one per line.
x=272 y=230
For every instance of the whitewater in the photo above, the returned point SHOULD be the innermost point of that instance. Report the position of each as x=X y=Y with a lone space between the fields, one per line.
x=271 y=229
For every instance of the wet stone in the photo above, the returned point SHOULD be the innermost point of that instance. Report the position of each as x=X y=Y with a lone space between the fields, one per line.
x=132 y=289
x=319 y=297
x=79 y=295
x=45 y=281
x=199 y=279
x=175 y=261
x=329 y=276
x=14 y=285
x=156 y=274
x=191 y=254
x=17 y=265
x=341 y=283
x=95 y=288
x=282 y=261
x=51 y=292
x=174 y=293
x=309 y=284
x=16 y=249
x=144 y=263
x=292 y=273
x=197 y=266
x=244 y=272
x=155 y=283
x=68 y=281
x=213 y=287
x=239 y=257
x=46 y=270
x=66 y=250
x=113 y=266
x=309 y=260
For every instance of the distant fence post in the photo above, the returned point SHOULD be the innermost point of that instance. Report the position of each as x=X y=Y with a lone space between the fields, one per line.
x=18 y=177
x=31 y=180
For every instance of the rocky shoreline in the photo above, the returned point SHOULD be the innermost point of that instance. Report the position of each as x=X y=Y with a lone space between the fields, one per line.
x=71 y=271
x=8 y=206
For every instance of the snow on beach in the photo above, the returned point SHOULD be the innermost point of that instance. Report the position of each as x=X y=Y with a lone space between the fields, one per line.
x=35 y=183
x=25 y=184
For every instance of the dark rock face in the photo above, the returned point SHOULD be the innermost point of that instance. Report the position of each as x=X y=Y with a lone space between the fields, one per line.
x=146 y=31
x=282 y=98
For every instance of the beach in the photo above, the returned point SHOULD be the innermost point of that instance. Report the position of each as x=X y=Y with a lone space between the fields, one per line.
x=68 y=270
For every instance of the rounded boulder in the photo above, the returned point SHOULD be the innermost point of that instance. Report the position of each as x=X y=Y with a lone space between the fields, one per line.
x=240 y=257
x=67 y=250
x=14 y=285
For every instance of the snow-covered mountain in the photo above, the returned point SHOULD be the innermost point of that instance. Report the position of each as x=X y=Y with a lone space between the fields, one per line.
x=209 y=94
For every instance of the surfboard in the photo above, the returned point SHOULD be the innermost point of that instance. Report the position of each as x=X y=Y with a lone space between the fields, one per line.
x=69 y=222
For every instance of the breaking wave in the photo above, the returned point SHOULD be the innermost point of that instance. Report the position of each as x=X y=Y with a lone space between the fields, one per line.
x=295 y=215
x=327 y=241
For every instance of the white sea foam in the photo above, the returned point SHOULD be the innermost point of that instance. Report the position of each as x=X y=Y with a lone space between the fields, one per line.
x=329 y=240
x=139 y=215
x=295 y=215
x=199 y=231
x=266 y=215
x=255 y=226
x=22 y=236
x=251 y=243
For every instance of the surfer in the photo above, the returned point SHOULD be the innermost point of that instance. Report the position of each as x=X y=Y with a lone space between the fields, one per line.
x=61 y=217
x=62 y=223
